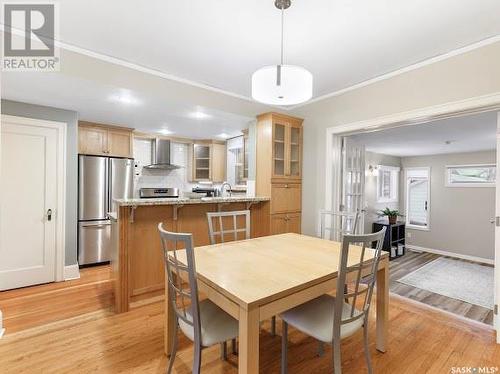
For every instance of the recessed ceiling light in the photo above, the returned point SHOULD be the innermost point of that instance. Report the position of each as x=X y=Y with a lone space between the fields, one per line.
x=200 y=115
x=223 y=135
x=165 y=132
x=125 y=97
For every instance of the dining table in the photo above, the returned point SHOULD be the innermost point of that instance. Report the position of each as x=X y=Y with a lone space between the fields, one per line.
x=253 y=280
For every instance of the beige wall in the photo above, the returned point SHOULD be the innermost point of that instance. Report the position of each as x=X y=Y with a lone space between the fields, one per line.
x=459 y=216
x=472 y=74
x=372 y=206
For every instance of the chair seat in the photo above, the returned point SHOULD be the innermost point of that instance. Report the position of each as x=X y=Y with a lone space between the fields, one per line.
x=216 y=325
x=315 y=318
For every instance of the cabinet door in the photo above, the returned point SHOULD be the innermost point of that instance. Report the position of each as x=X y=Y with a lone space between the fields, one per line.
x=218 y=163
x=119 y=143
x=201 y=162
x=286 y=197
x=278 y=224
x=293 y=223
x=294 y=152
x=279 y=149
x=92 y=140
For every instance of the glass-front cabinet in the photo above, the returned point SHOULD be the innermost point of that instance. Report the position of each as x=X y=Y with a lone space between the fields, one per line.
x=201 y=159
x=287 y=150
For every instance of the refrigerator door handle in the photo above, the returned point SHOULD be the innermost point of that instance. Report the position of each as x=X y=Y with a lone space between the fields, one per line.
x=98 y=225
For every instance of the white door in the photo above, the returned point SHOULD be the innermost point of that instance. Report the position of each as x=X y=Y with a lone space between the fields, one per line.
x=497 y=239
x=28 y=202
x=353 y=181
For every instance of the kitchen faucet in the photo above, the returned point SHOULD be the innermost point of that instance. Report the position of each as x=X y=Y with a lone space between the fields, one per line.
x=222 y=188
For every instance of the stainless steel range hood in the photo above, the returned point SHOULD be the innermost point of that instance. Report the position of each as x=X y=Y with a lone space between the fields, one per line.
x=161 y=155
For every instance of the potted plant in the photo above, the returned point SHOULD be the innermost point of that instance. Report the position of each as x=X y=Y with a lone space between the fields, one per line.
x=392 y=215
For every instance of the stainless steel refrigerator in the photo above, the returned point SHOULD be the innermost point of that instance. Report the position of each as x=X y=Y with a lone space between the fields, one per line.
x=100 y=180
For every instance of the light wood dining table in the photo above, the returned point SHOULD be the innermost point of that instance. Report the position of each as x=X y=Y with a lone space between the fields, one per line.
x=256 y=279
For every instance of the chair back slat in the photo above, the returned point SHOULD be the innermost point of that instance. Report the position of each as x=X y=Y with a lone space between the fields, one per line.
x=217 y=234
x=364 y=272
x=335 y=224
x=183 y=289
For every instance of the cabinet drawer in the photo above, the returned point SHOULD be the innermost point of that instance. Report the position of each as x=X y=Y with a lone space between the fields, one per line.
x=286 y=197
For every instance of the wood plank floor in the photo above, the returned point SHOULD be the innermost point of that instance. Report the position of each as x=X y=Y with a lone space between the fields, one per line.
x=27 y=307
x=411 y=261
x=421 y=340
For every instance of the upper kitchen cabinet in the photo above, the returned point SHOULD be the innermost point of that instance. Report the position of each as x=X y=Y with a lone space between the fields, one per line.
x=286 y=147
x=208 y=161
x=279 y=143
x=102 y=140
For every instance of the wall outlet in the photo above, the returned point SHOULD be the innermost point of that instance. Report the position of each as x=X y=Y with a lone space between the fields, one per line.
x=408 y=235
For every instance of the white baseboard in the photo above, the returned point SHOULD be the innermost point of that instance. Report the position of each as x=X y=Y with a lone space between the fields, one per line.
x=71 y=272
x=2 y=330
x=451 y=254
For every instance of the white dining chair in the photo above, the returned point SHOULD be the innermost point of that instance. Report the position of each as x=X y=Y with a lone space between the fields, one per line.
x=219 y=232
x=335 y=224
x=203 y=322
x=330 y=319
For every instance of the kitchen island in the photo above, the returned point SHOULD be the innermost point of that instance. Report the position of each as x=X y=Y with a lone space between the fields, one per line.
x=137 y=259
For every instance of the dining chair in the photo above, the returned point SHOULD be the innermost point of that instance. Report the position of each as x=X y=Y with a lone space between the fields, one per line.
x=219 y=219
x=330 y=319
x=203 y=322
x=335 y=224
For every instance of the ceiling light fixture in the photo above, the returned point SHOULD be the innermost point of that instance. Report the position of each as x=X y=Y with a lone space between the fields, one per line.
x=282 y=84
x=200 y=115
x=165 y=132
x=223 y=135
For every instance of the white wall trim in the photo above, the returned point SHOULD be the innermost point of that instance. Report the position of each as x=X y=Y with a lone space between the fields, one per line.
x=403 y=70
x=71 y=272
x=60 y=211
x=2 y=330
x=451 y=254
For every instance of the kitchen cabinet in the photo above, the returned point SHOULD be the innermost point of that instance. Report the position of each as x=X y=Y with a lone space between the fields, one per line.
x=287 y=149
x=279 y=169
x=102 y=140
x=285 y=222
x=209 y=161
x=286 y=197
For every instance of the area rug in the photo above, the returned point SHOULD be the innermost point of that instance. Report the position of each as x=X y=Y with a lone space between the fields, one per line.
x=465 y=281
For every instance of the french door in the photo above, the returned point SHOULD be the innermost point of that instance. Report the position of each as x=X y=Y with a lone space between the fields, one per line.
x=497 y=239
x=352 y=186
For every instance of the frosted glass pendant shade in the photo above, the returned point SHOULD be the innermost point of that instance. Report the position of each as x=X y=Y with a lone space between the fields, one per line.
x=296 y=85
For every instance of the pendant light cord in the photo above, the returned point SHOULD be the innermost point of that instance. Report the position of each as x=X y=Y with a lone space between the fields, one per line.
x=282 y=28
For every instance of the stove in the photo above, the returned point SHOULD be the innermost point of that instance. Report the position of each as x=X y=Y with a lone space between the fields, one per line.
x=151 y=193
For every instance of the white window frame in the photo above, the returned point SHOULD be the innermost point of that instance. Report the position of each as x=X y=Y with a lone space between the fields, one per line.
x=449 y=184
x=407 y=198
x=394 y=170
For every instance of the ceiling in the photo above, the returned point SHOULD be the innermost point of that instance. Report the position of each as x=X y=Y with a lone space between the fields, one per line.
x=215 y=46
x=221 y=43
x=114 y=105
x=465 y=134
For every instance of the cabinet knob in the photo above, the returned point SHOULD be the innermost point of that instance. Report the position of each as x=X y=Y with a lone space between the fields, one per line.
x=286 y=185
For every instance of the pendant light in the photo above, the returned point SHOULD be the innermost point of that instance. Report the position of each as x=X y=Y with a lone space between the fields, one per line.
x=282 y=84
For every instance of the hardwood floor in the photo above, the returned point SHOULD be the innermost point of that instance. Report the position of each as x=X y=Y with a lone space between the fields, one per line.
x=411 y=261
x=420 y=341
x=38 y=305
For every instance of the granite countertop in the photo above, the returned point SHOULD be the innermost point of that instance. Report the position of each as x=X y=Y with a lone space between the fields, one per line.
x=185 y=201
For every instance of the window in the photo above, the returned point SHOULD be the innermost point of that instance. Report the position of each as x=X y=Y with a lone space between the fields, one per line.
x=418 y=198
x=387 y=184
x=471 y=175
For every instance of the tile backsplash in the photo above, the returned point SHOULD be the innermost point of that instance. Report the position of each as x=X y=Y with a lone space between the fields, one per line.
x=154 y=178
